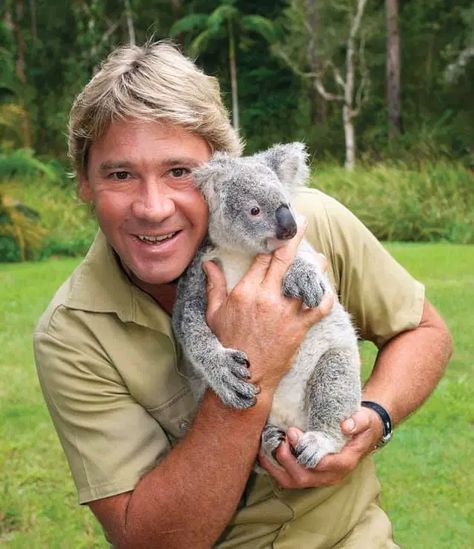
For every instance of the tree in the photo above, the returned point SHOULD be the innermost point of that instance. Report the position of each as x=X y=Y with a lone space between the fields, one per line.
x=350 y=96
x=393 y=69
x=224 y=21
x=13 y=16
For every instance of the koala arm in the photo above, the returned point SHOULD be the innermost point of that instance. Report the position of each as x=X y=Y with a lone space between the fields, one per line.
x=223 y=369
x=305 y=279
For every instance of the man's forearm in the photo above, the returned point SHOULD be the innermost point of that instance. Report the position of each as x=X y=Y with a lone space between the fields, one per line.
x=189 y=498
x=410 y=365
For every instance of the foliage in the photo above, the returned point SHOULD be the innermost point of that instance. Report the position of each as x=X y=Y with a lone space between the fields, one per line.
x=68 y=224
x=20 y=234
x=433 y=202
x=40 y=214
x=425 y=471
x=22 y=163
x=64 y=43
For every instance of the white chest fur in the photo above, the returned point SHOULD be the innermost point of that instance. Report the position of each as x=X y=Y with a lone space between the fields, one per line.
x=288 y=401
x=234 y=264
x=288 y=408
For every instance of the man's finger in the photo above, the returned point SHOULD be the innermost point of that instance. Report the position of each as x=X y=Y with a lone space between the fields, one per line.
x=322 y=310
x=358 y=422
x=216 y=287
x=277 y=472
x=283 y=257
x=257 y=270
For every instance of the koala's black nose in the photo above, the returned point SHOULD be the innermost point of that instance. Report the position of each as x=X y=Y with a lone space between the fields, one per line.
x=286 y=224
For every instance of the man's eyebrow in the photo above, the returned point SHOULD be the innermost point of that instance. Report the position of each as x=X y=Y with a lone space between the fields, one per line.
x=114 y=165
x=181 y=161
x=167 y=162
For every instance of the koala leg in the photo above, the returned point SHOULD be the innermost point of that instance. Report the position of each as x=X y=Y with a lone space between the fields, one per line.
x=272 y=437
x=333 y=394
x=222 y=369
x=304 y=281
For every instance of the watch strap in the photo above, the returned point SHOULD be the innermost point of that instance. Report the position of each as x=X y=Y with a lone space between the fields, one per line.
x=386 y=421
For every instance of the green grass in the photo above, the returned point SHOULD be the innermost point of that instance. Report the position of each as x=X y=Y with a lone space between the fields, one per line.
x=426 y=471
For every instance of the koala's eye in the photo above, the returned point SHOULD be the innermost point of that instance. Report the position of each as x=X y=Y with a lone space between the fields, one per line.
x=255 y=210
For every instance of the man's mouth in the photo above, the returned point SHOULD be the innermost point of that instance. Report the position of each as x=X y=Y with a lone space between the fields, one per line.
x=154 y=239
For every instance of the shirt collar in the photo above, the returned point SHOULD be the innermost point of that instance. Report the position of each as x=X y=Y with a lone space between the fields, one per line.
x=100 y=285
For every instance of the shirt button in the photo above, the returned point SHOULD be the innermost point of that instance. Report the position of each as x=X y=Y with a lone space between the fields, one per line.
x=183 y=425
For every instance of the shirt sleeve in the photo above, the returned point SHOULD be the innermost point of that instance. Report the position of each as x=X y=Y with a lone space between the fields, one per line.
x=381 y=296
x=110 y=440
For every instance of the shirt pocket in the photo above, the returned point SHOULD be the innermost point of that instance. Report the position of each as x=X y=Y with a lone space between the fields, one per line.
x=147 y=362
x=175 y=415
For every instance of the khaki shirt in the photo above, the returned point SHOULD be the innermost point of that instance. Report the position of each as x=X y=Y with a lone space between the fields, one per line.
x=108 y=366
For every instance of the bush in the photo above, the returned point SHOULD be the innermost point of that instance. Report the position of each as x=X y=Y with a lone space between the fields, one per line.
x=434 y=202
x=40 y=214
x=23 y=164
x=20 y=230
x=9 y=249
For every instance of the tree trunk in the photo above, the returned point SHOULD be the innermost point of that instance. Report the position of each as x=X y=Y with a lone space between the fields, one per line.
x=13 y=24
x=349 y=138
x=233 y=78
x=131 y=28
x=393 y=69
x=348 y=111
x=318 y=104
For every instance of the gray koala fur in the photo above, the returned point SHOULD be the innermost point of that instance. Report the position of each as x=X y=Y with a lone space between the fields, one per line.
x=323 y=385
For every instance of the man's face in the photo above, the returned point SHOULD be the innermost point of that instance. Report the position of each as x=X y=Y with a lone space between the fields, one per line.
x=139 y=180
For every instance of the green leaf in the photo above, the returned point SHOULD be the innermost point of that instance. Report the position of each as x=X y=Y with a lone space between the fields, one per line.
x=201 y=41
x=261 y=25
x=221 y=15
x=189 y=23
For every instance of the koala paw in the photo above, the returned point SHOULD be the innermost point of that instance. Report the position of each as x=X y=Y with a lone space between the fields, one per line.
x=313 y=446
x=304 y=282
x=229 y=380
x=272 y=437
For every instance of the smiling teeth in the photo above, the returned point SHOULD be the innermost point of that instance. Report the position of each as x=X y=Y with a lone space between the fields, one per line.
x=145 y=238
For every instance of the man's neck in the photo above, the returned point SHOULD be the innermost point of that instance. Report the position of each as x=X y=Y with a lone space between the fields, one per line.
x=163 y=294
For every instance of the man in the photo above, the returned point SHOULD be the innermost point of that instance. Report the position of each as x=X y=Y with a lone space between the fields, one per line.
x=157 y=470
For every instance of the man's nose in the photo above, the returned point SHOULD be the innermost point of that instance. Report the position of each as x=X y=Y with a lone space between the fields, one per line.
x=154 y=203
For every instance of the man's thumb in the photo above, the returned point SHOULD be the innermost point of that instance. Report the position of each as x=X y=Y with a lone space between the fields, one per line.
x=216 y=287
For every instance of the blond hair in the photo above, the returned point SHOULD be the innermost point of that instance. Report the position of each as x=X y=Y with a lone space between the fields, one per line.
x=151 y=83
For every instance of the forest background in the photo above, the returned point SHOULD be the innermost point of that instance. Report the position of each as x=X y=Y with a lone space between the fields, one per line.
x=385 y=86
x=382 y=93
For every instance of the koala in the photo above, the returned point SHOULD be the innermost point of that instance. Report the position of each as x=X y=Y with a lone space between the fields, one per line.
x=250 y=213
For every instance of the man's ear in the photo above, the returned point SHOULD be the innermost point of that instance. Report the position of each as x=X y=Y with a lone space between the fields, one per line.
x=85 y=190
x=288 y=162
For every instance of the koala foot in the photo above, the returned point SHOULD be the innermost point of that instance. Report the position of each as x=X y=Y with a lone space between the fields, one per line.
x=313 y=446
x=228 y=379
x=304 y=282
x=272 y=437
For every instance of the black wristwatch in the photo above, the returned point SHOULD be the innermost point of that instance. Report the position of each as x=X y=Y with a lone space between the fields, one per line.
x=386 y=421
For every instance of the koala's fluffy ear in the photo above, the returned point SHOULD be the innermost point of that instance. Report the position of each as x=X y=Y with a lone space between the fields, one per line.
x=288 y=162
x=204 y=177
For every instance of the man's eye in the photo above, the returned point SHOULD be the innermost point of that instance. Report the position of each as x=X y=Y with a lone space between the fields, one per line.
x=120 y=175
x=179 y=172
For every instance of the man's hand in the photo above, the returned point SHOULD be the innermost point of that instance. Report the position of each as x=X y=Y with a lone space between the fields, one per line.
x=256 y=318
x=365 y=428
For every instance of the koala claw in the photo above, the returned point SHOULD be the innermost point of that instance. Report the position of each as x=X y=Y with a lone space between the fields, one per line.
x=272 y=437
x=304 y=283
x=313 y=446
x=231 y=385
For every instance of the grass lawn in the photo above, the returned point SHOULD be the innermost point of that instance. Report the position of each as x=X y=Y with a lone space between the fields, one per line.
x=426 y=472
